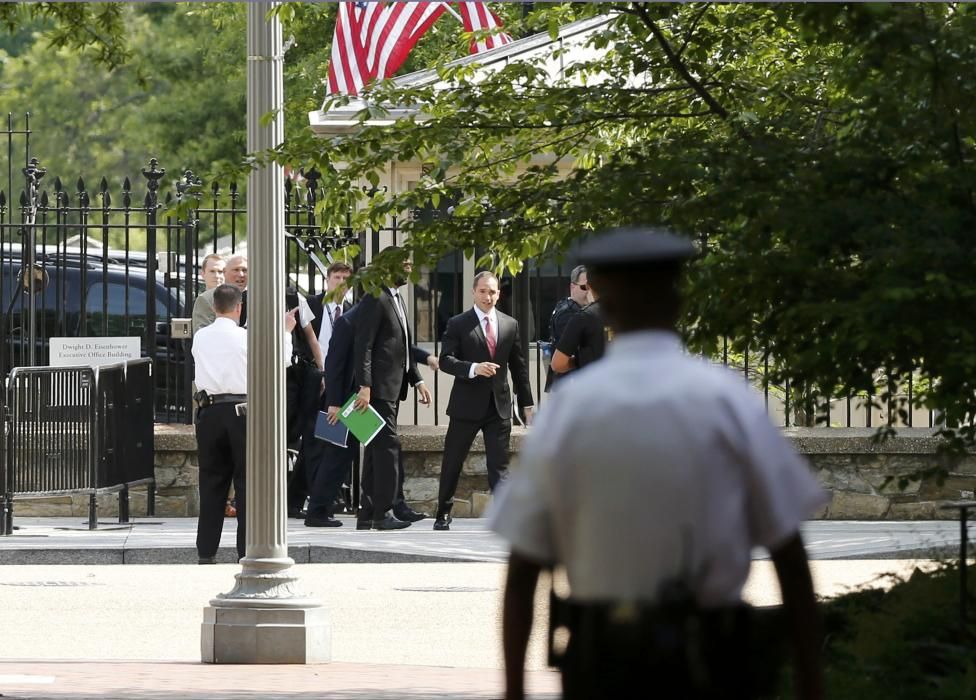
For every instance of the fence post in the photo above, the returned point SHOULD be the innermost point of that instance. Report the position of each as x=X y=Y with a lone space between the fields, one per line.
x=153 y=175
x=191 y=226
x=33 y=172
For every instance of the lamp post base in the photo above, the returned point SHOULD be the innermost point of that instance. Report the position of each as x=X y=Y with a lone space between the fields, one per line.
x=265 y=620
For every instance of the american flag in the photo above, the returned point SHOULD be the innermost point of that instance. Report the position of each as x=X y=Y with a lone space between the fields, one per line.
x=477 y=17
x=373 y=39
x=348 y=70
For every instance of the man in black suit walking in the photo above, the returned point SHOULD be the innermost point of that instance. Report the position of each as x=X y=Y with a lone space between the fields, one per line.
x=384 y=367
x=339 y=384
x=479 y=348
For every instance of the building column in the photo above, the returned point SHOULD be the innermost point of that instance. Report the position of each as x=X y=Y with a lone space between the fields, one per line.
x=266 y=617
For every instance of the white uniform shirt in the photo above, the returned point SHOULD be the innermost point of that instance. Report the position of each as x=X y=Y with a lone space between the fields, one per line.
x=305 y=315
x=220 y=356
x=654 y=465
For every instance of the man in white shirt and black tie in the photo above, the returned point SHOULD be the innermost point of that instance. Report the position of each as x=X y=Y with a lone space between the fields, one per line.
x=220 y=358
x=326 y=309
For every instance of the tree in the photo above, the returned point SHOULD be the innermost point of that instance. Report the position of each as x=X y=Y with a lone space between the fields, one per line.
x=111 y=84
x=95 y=29
x=823 y=154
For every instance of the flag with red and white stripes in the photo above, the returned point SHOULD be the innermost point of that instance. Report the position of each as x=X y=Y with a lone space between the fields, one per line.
x=477 y=17
x=373 y=39
x=348 y=69
x=396 y=31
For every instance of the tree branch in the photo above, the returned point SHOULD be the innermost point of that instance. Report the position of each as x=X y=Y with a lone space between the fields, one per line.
x=590 y=120
x=694 y=25
x=681 y=69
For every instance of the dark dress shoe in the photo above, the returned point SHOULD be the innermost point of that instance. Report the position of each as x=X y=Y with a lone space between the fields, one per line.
x=443 y=523
x=312 y=521
x=364 y=524
x=298 y=513
x=207 y=560
x=390 y=523
x=409 y=514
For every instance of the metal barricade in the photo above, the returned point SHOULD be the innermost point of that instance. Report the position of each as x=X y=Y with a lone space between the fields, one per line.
x=51 y=438
x=136 y=424
x=4 y=491
x=78 y=430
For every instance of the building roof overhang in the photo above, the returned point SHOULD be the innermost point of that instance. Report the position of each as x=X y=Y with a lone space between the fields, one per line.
x=345 y=119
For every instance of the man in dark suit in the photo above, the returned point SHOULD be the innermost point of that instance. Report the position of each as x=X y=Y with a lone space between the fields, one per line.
x=335 y=461
x=309 y=396
x=479 y=348
x=340 y=382
x=384 y=368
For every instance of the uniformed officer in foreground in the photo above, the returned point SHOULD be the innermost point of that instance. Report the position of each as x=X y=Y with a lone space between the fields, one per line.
x=220 y=358
x=649 y=482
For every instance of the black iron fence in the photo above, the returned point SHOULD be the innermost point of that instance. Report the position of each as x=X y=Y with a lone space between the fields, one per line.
x=111 y=261
x=77 y=430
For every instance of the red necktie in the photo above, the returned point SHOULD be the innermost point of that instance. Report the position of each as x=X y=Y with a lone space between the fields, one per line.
x=490 y=336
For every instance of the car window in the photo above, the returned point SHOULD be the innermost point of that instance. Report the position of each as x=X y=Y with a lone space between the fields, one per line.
x=111 y=320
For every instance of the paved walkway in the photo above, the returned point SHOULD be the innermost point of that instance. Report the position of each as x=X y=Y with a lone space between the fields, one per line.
x=408 y=631
x=345 y=681
x=171 y=541
x=415 y=614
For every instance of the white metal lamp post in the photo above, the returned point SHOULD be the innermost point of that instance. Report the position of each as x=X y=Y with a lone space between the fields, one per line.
x=266 y=618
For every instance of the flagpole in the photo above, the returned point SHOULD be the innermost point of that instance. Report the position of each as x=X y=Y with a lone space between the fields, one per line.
x=453 y=12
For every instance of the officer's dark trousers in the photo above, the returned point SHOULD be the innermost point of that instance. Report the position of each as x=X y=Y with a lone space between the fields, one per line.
x=460 y=434
x=304 y=402
x=221 y=441
x=608 y=662
x=382 y=461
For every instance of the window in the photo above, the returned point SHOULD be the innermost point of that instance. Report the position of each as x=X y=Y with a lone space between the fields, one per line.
x=110 y=318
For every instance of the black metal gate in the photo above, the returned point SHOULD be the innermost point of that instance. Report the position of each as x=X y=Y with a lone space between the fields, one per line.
x=114 y=261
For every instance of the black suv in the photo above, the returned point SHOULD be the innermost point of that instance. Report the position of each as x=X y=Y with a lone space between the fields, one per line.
x=91 y=295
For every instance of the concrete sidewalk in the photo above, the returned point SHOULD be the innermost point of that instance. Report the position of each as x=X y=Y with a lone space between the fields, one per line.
x=172 y=541
x=345 y=681
x=398 y=630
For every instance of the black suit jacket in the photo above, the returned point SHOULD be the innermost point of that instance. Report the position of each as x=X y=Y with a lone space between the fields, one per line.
x=463 y=345
x=340 y=379
x=316 y=304
x=380 y=351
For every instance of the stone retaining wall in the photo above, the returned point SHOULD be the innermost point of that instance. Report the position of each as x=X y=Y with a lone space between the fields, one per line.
x=848 y=462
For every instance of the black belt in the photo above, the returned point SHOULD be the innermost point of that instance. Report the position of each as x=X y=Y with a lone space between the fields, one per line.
x=228 y=398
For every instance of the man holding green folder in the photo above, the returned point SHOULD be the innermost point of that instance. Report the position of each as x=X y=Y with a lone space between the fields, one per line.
x=384 y=368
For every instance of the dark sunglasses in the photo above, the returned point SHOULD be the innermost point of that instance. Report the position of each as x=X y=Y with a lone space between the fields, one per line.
x=582 y=286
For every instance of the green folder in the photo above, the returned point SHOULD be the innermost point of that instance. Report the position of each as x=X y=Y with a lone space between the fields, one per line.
x=365 y=426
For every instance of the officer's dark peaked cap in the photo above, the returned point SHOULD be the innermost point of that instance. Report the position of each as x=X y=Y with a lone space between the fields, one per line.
x=634 y=245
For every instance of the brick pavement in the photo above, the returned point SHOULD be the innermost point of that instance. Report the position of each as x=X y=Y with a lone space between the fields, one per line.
x=37 y=680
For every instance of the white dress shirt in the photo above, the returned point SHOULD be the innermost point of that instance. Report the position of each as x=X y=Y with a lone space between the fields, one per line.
x=325 y=331
x=400 y=307
x=654 y=465
x=481 y=320
x=220 y=357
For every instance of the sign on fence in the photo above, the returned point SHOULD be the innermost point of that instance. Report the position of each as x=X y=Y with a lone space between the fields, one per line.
x=93 y=352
